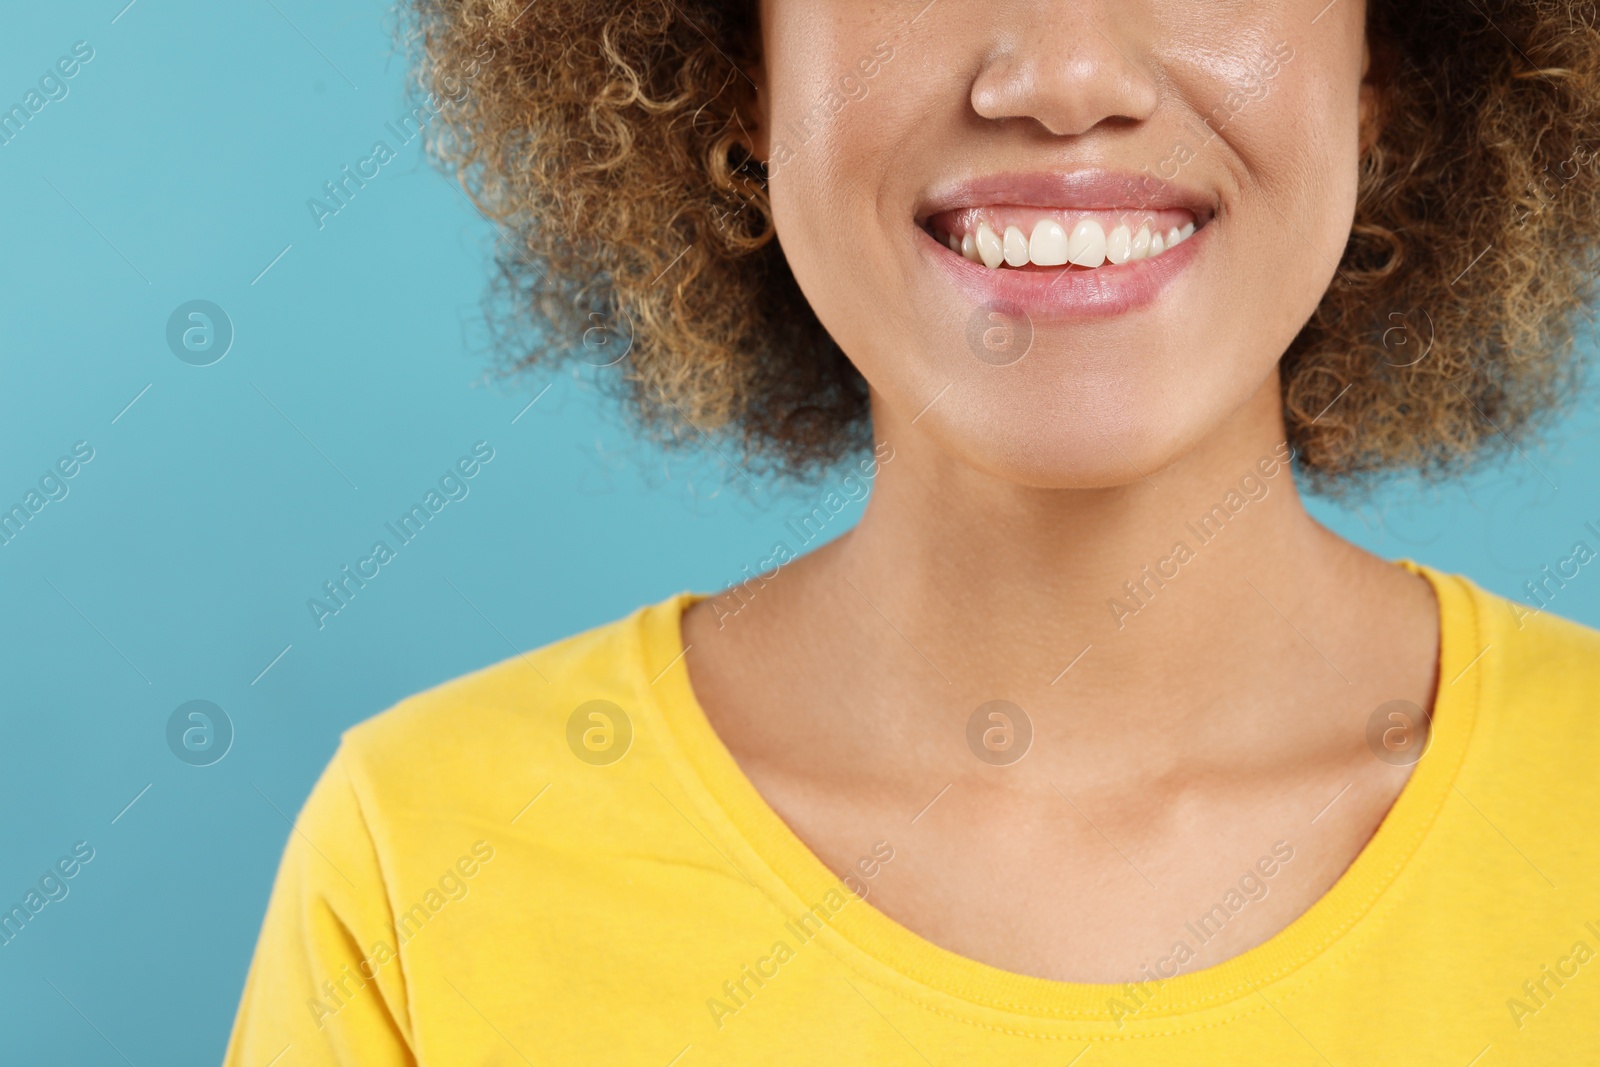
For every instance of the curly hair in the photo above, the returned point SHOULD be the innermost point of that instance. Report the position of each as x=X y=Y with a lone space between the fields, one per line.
x=604 y=137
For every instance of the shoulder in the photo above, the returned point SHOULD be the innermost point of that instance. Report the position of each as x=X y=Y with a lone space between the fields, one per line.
x=483 y=745
x=1535 y=681
x=1537 y=655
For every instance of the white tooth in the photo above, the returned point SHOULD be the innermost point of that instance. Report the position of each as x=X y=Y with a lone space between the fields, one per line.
x=1157 y=246
x=1048 y=245
x=1187 y=231
x=1174 y=237
x=990 y=247
x=1087 y=248
x=1016 y=247
x=954 y=242
x=1119 y=245
x=969 y=246
x=1141 y=243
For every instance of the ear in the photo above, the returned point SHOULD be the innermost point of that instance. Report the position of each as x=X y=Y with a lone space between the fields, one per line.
x=754 y=98
x=753 y=111
x=1377 y=67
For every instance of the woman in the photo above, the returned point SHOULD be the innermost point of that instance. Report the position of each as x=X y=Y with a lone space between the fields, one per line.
x=1088 y=744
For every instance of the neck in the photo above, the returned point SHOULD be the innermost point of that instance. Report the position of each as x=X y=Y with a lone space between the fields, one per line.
x=1172 y=606
x=1193 y=621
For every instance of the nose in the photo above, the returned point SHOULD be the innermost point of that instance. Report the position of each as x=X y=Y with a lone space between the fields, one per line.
x=1069 y=66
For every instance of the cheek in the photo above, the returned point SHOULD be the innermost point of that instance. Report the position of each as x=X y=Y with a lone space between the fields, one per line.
x=1287 y=124
x=815 y=83
x=846 y=102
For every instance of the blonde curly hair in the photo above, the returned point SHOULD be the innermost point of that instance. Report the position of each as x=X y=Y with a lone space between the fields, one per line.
x=604 y=137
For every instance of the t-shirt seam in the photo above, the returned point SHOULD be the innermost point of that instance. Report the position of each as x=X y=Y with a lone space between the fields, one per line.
x=344 y=757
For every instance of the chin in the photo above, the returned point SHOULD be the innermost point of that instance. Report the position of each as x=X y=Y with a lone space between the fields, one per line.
x=1079 y=441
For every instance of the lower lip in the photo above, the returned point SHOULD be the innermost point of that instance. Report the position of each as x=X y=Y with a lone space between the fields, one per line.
x=1067 y=295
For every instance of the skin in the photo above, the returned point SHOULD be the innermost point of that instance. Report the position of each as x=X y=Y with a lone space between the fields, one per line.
x=1225 y=716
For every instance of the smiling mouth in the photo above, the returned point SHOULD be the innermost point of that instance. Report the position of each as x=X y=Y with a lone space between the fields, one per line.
x=1034 y=239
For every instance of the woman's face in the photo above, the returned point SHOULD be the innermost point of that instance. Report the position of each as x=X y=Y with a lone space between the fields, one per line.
x=1068 y=340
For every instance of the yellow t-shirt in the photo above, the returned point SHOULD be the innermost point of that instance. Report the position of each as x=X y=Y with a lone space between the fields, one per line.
x=463 y=887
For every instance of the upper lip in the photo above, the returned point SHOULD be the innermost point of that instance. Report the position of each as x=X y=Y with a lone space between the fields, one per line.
x=1084 y=189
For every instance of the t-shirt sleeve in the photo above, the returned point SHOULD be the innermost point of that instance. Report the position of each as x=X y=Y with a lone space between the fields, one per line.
x=325 y=986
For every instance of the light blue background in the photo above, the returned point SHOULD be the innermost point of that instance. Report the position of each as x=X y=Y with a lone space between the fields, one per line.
x=179 y=565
